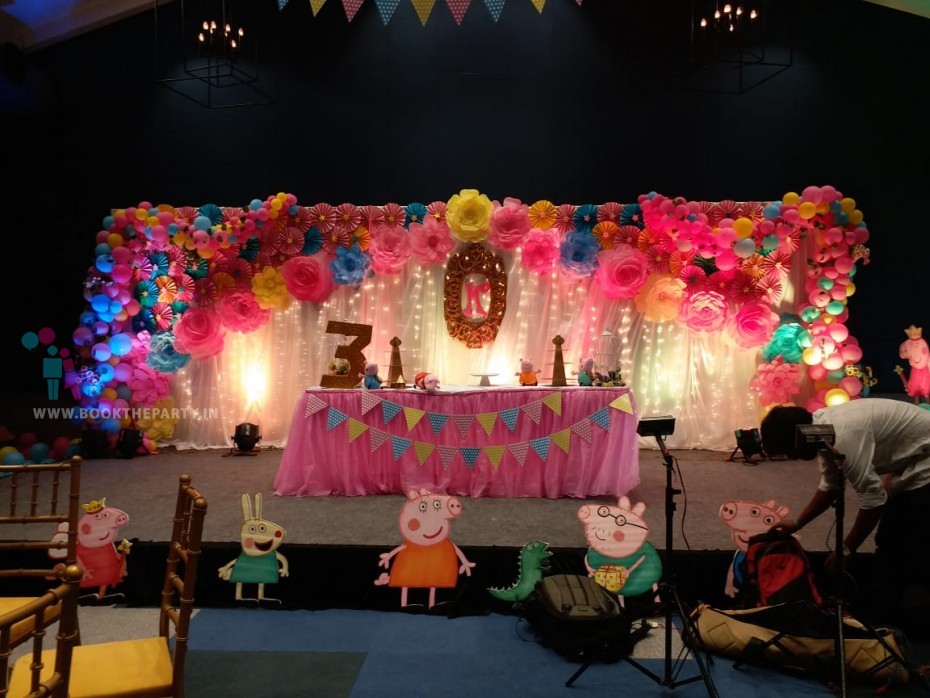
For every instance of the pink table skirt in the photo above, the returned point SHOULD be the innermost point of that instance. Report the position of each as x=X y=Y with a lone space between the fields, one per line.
x=497 y=442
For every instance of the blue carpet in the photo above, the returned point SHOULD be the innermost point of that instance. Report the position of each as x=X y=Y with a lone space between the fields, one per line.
x=422 y=655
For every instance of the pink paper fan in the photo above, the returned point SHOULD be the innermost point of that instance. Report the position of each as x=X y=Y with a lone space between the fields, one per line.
x=753 y=266
x=302 y=220
x=720 y=281
x=163 y=315
x=777 y=264
x=323 y=217
x=185 y=288
x=336 y=238
x=772 y=289
x=626 y=234
x=289 y=242
x=204 y=292
x=677 y=260
x=728 y=208
x=371 y=216
x=564 y=218
x=694 y=277
x=751 y=210
x=791 y=243
x=233 y=214
x=241 y=270
x=711 y=210
x=177 y=260
x=188 y=213
x=609 y=211
x=348 y=217
x=437 y=210
x=394 y=216
x=657 y=259
x=745 y=289
x=141 y=268
x=218 y=263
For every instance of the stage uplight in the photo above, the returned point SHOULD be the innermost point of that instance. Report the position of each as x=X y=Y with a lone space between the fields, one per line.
x=246 y=437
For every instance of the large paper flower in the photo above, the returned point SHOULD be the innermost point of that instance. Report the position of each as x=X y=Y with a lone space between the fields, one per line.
x=351 y=266
x=199 y=333
x=430 y=240
x=469 y=215
x=390 y=249
x=163 y=356
x=147 y=385
x=751 y=326
x=308 y=278
x=270 y=290
x=541 y=250
x=159 y=422
x=704 y=311
x=660 y=298
x=240 y=312
x=776 y=382
x=621 y=272
x=786 y=343
x=510 y=224
x=578 y=253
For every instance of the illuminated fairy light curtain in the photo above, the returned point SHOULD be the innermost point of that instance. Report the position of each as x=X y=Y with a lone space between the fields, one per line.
x=423 y=8
x=202 y=318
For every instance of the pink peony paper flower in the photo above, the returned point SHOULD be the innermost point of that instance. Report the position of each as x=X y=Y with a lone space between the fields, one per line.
x=751 y=326
x=308 y=278
x=240 y=312
x=510 y=224
x=541 y=250
x=390 y=249
x=199 y=333
x=704 y=311
x=776 y=382
x=148 y=385
x=660 y=298
x=430 y=240
x=621 y=272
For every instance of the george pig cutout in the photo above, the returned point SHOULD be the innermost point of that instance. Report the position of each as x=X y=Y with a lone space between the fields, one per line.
x=427 y=559
x=620 y=558
x=259 y=561
x=747 y=519
x=101 y=559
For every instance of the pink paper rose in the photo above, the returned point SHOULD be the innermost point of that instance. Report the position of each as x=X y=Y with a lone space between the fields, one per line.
x=621 y=272
x=510 y=224
x=390 y=249
x=147 y=385
x=776 y=382
x=240 y=312
x=541 y=250
x=660 y=298
x=704 y=311
x=308 y=278
x=751 y=326
x=431 y=241
x=199 y=333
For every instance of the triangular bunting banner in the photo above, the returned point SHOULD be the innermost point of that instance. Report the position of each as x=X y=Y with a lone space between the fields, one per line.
x=579 y=2
x=314 y=405
x=495 y=7
x=369 y=401
x=315 y=5
x=378 y=438
x=356 y=429
x=562 y=439
x=386 y=9
x=423 y=450
x=458 y=9
x=351 y=7
x=533 y=410
x=470 y=454
x=623 y=404
x=281 y=4
x=463 y=422
x=446 y=454
x=509 y=417
x=602 y=418
x=423 y=8
x=494 y=453
x=390 y=409
x=519 y=451
x=335 y=418
x=399 y=446
x=413 y=416
x=554 y=402
x=541 y=446
x=486 y=420
x=539 y=5
x=583 y=429
x=437 y=421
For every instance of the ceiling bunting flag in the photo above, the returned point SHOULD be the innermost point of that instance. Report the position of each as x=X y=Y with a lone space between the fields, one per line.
x=390 y=410
x=447 y=454
x=623 y=404
x=487 y=420
x=583 y=429
x=463 y=422
x=386 y=9
x=533 y=410
x=356 y=429
x=458 y=9
x=316 y=6
x=314 y=405
x=509 y=417
x=413 y=416
x=579 y=2
x=351 y=7
x=470 y=454
x=539 y=5
x=519 y=450
x=399 y=446
x=423 y=450
x=541 y=446
x=494 y=454
x=495 y=7
x=281 y=4
x=378 y=438
x=335 y=418
x=554 y=402
x=423 y=8
x=437 y=421
x=562 y=439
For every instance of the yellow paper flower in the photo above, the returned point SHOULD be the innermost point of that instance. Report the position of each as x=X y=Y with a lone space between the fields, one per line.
x=469 y=215
x=158 y=421
x=542 y=214
x=660 y=298
x=270 y=290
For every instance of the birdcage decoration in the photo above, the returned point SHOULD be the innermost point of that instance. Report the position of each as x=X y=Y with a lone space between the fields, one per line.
x=606 y=352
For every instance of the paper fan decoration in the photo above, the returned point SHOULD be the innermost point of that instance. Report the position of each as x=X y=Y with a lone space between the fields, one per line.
x=772 y=289
x=241 y=271
x=167 y=289
x=147 y=293
x=565 y=218
x=371 y=216
x=177 y=260
x=626 y=234
x=313 y=241
x=753 y=267
x=610 y=212
x=394 y=216
x=289 y=242
x=752 y=210
x=605 y=232
x=163 y=315
x=542 y=215
x=777 y=264
x=204 y=292
x=348 y=217
x=233 y=214
x=323 y=217
x=693 y=277
x=302 y=220
x=188 y=213
x=677 y=261
x=745 y=289
x=657 y=259
x=728 y=209
x=335 y=239
x=437 y=210
x=791 y=243
x=185 y=288
x=362 y=238
x=141 y=268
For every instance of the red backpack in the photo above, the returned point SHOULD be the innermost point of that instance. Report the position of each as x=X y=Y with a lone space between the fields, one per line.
x=778 y=571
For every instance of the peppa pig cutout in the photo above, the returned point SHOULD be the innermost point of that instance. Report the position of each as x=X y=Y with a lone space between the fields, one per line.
x=259 y=561
x=620 y=558
x=427 y=559
x=98 y=555
x=747 y=519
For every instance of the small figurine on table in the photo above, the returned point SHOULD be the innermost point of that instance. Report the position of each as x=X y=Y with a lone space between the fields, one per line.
x=372 y=379
x=427 y=381
x=586 y=374
x=917 y=353
x=528 y=375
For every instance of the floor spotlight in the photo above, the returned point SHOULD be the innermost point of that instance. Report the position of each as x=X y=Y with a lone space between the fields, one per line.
x=749 y=443
x=246 y=438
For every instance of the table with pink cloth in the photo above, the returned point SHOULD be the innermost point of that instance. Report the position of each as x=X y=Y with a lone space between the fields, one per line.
x=486 y=442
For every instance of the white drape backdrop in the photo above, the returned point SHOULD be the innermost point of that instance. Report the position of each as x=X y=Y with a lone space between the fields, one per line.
x=699 y=379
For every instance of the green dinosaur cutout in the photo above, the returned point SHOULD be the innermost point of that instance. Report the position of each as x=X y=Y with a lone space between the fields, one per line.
x=534 y=560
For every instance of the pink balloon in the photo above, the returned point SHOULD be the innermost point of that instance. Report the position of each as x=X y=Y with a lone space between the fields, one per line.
x=812 y=194
x=122 y=372
x=830 y=194
x=862 y=236
x=838 y=292
x=102 y=236
x=843 y=264
x=851 y=354
x=817 y=372
x=832 y=235
x=839 y=332
x=834 y=361
x=851 y=385
x=122 y=254
x=813 y=405
x=121 y=273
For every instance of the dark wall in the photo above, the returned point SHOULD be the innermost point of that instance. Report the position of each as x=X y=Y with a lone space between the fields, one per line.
x=580 y=105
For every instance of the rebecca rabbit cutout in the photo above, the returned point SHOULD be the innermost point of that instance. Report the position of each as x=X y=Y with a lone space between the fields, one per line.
x=98 y=554
x=427 y=559
x=620 y=558
x=259 y=562
x=746 y=519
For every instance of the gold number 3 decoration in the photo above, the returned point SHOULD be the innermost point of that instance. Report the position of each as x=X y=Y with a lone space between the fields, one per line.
x=350 y=352
x=479 y=274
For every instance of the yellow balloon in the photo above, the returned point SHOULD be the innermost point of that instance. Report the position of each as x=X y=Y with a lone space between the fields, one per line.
x=847 y=205
x=823 y=385
x=812 y=356
x=109 y=393
x=151 y=220
x=276 y=204
x=855 y=217
x=823 y=207
x=791 y=198
x=807 y=210
x=142 y=214
x=273 y=214
x=743 y=227
x=850 y=289
x=115 y=240
x=5 y=450
x=205 y=252
x=837 y=396
x=126 y=421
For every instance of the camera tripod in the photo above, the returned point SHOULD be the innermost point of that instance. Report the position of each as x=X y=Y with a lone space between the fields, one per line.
x=670 y=601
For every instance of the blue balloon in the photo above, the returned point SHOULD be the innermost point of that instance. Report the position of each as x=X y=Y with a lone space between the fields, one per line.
x=293 y=210
x=38 y=452
x=108 y=222
x=770 y=242
x=255 y=204
x=772 y=211
x=111 y=425
x=102 y=248
x=14 y=458
x=105 y=263
x=123 y=392
x=30 y=340
x=105 y=371
x=120 y=344
x=203 y=223
x=100 y=303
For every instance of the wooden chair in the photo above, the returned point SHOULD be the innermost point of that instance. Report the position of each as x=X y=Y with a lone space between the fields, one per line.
x=41 y=496
x=150 y=667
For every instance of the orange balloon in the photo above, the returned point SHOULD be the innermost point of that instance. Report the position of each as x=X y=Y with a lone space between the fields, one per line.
x=807 y=210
